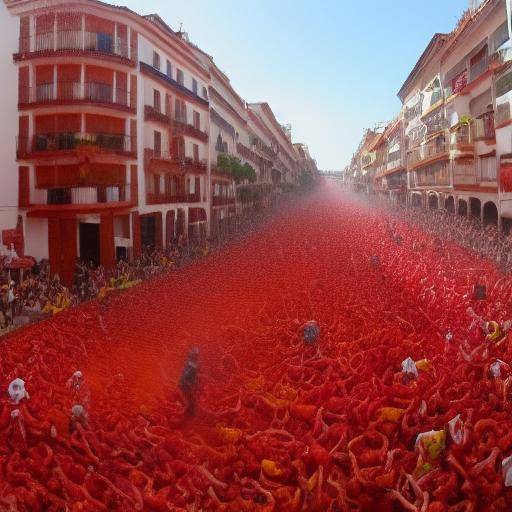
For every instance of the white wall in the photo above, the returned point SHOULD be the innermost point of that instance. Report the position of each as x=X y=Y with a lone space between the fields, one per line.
x=36 y=238
x=9 y=28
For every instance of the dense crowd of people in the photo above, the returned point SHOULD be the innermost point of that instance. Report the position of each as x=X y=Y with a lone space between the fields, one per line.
x=39 y=295
x=484 y=240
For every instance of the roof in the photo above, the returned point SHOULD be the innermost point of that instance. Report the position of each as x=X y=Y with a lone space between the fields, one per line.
x=467 y=21
x=435 y=44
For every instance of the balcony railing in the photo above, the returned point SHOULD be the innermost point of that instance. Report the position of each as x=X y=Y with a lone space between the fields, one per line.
x=178 y=163
x=427 y=151
x=503 y=111
x=96 y=42
x=71 y=141
x=222 y=201
x=483 y=127
x=62 y=92
x=168 y=198
x=484 y=170
x=432 y=180
x=182 y=127
x=501 y=56
x=478 y=69
x=80 y=195
x=152 y=114
x=461 y=137
x=393 y=164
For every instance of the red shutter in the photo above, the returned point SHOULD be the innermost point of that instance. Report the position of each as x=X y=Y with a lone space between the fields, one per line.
x=24 y=34
x=134 y=45
x=23 y=142
x=133 y=135
x=23 y=85
x=24 y=187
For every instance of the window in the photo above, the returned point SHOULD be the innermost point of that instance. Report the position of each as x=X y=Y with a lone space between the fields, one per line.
x=500 y=36
x=156 y=184
x=194 y=86
x=156 y=100
x=105 y=42
x=479 y=64
x=168 y=70
x=180 y=111
x=157 y=143
x=156 y=61
x=205 y=93
x=179 y=77
x=196 y=152
x=197 y=121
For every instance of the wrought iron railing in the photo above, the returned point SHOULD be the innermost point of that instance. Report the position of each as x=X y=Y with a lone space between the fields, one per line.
x=69 y=141
x=427 y=151
x=94 y=92
x=97 y=42
x=81 y=195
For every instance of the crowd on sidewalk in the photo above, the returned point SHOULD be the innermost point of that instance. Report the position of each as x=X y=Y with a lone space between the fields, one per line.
x=484 y=240
x=39 y=295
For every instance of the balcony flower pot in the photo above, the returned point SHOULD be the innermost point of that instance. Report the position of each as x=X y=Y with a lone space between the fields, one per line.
x=86 y=147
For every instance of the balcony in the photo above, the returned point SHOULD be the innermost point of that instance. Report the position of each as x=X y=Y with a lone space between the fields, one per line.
x=152 y=114
x=461 y=140
x=394 y=164
x=501 y=57
x=181 y=127
x=503 y=111
x=475 y=175
x=96 y=44
x=168 y=198
x=478 y=68
x=434 y=179
x=165 y=161
x=432 y=151
x=222 y=201
x=75 y=93
x=482 y=127
x=79 y=199
x=75 y=142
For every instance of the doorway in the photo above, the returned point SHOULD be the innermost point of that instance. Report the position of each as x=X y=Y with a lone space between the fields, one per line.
x=147 y=230
x=89 y=235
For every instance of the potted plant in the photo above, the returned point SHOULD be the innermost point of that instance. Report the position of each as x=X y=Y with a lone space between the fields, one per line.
x=84 y=145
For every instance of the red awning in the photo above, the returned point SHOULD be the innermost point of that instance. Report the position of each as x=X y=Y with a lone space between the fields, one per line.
x=25 y=263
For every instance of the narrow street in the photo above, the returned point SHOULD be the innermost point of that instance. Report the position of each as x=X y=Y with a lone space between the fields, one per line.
x=278 y=424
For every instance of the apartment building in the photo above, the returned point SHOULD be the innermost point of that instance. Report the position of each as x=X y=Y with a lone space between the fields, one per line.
x=119 y=124
x=455 y=124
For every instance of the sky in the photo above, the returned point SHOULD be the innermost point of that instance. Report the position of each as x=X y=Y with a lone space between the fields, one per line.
x=330 y=68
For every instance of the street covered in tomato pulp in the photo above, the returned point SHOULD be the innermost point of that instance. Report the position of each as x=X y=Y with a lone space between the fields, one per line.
x=278 y=423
